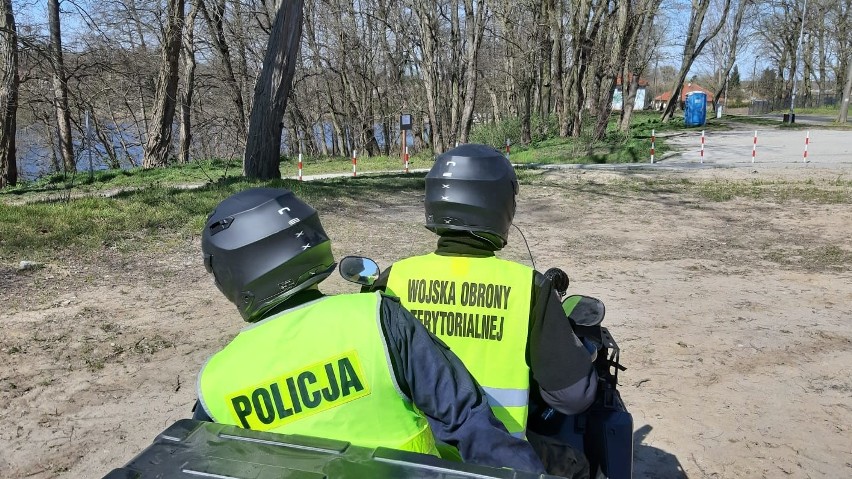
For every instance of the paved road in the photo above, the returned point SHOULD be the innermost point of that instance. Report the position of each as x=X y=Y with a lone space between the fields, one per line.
x=774 y=147
x=730 y=149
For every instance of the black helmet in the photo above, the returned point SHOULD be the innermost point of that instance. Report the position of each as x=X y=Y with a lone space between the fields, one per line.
x=471 y=188
x=262 y=246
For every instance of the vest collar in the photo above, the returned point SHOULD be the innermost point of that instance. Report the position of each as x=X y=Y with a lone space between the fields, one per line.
x=299 y=300
x=462 y=243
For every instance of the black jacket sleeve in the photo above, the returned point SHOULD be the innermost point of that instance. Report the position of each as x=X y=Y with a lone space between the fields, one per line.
x=442 y=388
x=559 y=362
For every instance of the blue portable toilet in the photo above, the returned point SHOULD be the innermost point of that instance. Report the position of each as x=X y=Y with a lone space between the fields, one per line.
x=695 y=109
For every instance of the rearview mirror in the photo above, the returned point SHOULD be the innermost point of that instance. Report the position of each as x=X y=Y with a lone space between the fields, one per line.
x=358 y=269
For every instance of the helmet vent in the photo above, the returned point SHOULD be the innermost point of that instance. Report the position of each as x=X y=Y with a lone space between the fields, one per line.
x=221 y=225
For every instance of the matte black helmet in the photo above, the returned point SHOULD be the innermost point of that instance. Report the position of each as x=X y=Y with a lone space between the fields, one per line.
x=471 y=188
x=262 y=246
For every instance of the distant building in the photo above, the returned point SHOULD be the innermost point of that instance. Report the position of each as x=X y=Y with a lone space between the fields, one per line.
x=661 y=101
x=639 y=103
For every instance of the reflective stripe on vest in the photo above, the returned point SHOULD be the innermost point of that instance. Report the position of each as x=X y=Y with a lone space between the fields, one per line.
x=321 y=369
x=480 y=307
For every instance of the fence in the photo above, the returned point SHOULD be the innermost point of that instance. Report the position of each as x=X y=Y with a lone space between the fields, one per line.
x=762 y=107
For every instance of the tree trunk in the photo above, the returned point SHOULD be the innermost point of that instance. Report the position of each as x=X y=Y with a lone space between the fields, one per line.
x=732 y=52
x=8 y=94
x=620 y=35
x=628 y=100
x=692 y=48
x=159 y=141
x=586 y=21
x=474 y=10
x=455 y=72
x=60 y=89
x=188 y=55
x=556 y=61
x=495 y=105
x=843 y=115
x=428 y=29
x=843 y=39
x=338 y=147
x=525 y=94
x=547 y=46
x=263 y=143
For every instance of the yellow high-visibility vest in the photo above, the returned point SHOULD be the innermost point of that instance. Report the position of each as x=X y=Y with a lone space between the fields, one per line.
x=480 y=307
x=321 y=369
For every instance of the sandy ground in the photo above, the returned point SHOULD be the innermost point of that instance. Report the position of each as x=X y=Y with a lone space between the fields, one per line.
x=733 y=317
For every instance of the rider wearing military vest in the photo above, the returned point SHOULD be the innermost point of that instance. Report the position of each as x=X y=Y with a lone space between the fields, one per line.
x=354 y=367
x=502 y=319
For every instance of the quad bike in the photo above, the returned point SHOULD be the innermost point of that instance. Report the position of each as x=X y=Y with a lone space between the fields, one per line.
x=192 y=449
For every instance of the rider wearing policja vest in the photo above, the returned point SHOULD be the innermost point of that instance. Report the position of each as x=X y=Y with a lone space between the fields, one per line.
x=502 y=318
x=353 y=367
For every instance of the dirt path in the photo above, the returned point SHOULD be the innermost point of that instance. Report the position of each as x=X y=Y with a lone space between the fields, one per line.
x=733 y=317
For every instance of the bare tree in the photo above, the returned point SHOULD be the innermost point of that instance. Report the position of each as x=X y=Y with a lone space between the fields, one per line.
x=779 y=50
x=586 y=21
x=431 y=70
x=523 y=30
x=637 y=60
x=188 y=87
x=625 y=26
x=475 y=16
x=60 y=88
x=8 y=94
x=732 y=38
x=263 y=144
x=692 y=47
x=158 y=144
x=843 y=114
x=214 y=16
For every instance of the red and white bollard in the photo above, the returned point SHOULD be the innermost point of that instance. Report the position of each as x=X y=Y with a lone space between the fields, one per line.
x=754 y=146
x=702 y=147
x=508 y=145
x=354 y=162
x=300 y=166
x=653 y=137
x=405 y=156
x=807 y=141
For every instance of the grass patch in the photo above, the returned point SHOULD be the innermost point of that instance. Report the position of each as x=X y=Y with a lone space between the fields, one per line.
x=836 y=191
x=819 y=258
x=150 y=217
x=322 y=165
x=832 y=192
x=616 y=148
x=198 y=173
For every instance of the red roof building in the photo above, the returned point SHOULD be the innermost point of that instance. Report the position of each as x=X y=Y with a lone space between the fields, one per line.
x=661 y=101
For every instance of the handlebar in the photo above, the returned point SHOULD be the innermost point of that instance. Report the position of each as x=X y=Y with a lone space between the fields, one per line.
x=559 y=279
